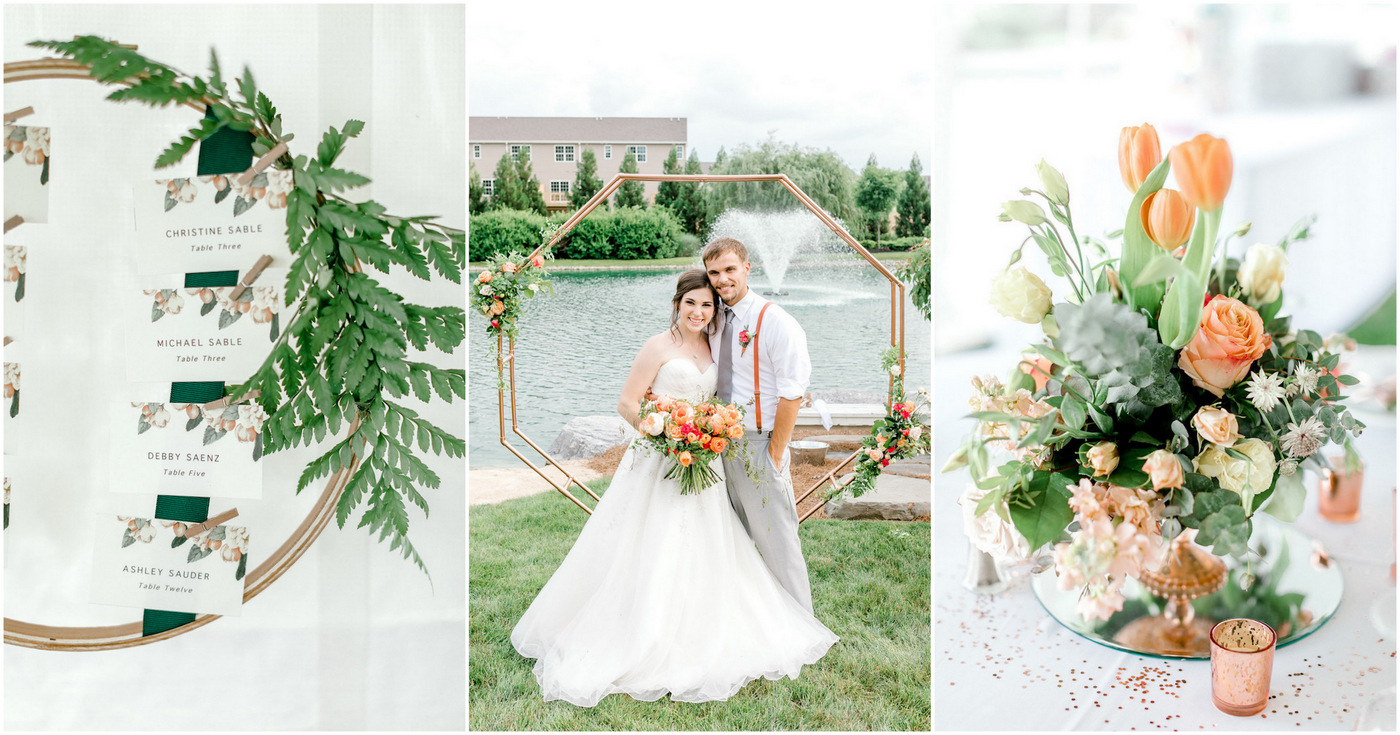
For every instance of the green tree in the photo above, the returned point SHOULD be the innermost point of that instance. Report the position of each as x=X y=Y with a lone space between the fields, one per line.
x=914 y=210
x=821 y=174
x=531 y=198
x=505 y=193
x=690 y=207
x=631 y=193
x=586 y=181
x=875 y=194
x=476 y=192
x=668 y=193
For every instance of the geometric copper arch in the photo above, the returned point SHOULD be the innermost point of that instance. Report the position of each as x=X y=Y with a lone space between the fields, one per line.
x=126 y=635
x=897 y=289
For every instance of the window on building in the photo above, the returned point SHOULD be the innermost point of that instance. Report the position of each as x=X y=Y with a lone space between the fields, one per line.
x=488 y=186
x=680 y=153
x=640 y=151
x=563 y=153
x=515 y=152
x=607 y=151
x=559 y=192
x=476 y=151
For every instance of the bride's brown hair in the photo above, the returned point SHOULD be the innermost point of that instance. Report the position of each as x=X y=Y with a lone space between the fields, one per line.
x=693 y=280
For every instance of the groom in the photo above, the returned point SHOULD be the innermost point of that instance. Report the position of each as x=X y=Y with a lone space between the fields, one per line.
x=752 y=326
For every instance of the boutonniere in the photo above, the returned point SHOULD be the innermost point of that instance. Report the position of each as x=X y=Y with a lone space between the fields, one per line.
x=745 y=337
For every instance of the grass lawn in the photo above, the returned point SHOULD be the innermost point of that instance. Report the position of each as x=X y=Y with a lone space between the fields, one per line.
x=870 y=586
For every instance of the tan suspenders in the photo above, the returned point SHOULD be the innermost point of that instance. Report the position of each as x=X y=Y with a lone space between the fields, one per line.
x=757 y=401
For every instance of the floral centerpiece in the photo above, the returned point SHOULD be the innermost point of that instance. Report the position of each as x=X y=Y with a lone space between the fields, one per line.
x=1169 y=393
x=692 y=435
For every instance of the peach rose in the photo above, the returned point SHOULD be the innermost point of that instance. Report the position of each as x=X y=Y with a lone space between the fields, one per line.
x=685 y=459
x=673 y=432
x=736 y=431
x=1216 y=425
x=1231 y=337
x=507 y=267
x=537 y=261
x=719 y=444
x=664 y=403
x=1039 y=369
x=705 y=440
x=682 y=413
x=498 y=307
x=717 y=424
x=1103 y=458
x=485 y=277
x=1164 y=469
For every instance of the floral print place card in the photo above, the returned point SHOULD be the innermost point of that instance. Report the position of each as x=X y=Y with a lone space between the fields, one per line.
x=27 y=172
x=166 y=565
x=183 y=449
x=211 y=223
x=198 y=334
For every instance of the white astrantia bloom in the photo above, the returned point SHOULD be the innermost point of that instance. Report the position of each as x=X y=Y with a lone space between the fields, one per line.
x=1302 y=439
x=1265 y=390
x=1306 y=377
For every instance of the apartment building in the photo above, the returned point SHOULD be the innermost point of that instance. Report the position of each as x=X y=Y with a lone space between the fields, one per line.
x=555 y=145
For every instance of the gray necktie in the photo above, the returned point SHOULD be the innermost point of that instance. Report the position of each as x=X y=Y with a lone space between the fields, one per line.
x=726 y=358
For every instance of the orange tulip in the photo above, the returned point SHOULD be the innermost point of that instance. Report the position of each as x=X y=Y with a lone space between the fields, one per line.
x=1138 y=153
x=1168 y=219
x=1203 y=168
x=685 y=459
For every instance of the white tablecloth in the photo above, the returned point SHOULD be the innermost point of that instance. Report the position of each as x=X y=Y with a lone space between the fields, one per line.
x=1002 y=663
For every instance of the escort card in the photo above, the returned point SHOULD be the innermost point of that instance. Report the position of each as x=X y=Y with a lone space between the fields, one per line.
x=199 y=334
x=151 y=563
x=181 y=449
x=211 y=223
x=15 y=266
x=27 y=172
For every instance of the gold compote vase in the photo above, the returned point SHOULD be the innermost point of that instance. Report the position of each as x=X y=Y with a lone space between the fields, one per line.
x=1188 y=573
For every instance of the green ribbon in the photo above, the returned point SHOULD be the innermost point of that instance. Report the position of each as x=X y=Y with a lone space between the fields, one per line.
x=196 y=392
x=159 y=621
x=187 y=510
x=181 y=508
x=227 y=151
x=211 y=279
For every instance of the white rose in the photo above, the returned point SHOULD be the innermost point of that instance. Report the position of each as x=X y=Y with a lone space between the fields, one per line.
x=485 y=290
x=916 y=432
x=988 y=532
x=1021 y=295
x=653 y=424
x=1261 y=276
x=1248 y=478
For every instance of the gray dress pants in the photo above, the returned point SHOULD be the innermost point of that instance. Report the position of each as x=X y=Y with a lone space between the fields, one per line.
x=768 y=512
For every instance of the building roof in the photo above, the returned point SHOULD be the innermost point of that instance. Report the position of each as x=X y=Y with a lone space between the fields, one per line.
x=577 y=129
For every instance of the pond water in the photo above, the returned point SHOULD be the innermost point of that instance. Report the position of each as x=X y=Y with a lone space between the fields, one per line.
x=576 y=346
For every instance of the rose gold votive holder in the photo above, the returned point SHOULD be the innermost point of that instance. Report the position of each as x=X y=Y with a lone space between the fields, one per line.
x=1241 y=663
x=1339 y=492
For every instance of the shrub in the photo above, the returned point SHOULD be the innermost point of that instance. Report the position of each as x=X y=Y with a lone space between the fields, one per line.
x=503 y=230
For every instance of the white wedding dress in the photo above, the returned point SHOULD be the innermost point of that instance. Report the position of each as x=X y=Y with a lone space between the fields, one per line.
x=663 y=592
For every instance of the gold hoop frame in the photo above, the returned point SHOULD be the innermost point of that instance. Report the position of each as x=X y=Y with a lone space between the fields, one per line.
x=127 y=635
x=897 y=289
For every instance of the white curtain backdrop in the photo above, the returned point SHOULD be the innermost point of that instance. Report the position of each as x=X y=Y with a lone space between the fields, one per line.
x=352 y=637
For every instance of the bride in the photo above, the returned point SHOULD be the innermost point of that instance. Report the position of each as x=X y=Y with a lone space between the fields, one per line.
x=663 y=592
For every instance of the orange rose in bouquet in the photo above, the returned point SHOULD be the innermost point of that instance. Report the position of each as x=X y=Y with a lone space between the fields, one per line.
x=691 y=435
x=1231 y=337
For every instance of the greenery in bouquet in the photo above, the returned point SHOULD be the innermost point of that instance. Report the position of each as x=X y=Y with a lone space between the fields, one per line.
x=691 y=435
x=1169 y=394
x=899 y=435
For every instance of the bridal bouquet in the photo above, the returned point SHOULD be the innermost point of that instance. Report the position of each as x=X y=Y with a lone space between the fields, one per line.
x=1169 y=394
x=692 y=435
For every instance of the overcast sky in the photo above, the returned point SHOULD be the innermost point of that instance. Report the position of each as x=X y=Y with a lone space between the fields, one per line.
x=855 y=84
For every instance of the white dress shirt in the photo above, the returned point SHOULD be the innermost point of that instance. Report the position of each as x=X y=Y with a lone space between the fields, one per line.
x=785 y=370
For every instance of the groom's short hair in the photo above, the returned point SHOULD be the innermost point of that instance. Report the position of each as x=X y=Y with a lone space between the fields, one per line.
x=718 y=247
